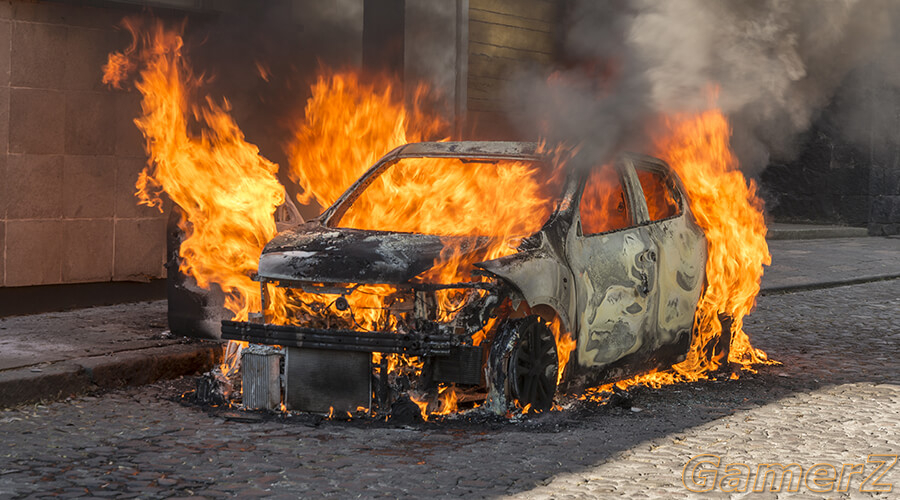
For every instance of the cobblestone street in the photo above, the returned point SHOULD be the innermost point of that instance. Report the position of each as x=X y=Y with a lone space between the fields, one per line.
x=450 y=249
x=835 y=400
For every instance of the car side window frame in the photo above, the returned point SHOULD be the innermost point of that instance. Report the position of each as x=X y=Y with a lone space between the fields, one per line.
x=670 y=182
x=633 y=199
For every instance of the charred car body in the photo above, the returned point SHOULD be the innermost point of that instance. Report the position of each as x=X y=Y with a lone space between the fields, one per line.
x=617 y=263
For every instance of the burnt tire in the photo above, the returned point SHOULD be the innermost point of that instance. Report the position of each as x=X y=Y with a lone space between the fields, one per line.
x=522 y=365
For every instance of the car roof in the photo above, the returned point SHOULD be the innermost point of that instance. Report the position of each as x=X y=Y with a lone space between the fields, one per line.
x=495 y=149
x=480 y=149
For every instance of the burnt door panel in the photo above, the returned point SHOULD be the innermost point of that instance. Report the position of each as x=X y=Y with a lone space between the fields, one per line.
x=614 y=265
x=682 y=251
x=616 y=291
x=682 y=256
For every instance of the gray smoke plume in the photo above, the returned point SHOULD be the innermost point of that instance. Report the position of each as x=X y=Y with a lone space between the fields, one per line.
x=777 y=64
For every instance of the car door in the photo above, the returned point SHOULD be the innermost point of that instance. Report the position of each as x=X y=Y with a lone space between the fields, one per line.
x=681 y=249
x=614 y=265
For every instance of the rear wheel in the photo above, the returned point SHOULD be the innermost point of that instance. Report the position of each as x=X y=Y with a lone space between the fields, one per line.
x=523 y=365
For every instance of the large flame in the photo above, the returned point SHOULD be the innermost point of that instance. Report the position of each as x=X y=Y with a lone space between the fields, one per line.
x=727 y=208
x=349 y=123
x=730 y=213
x=199 y=158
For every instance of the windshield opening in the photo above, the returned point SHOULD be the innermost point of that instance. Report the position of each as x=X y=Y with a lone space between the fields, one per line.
x=456 y=197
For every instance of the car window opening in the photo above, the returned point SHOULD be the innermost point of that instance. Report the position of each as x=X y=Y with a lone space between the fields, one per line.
x=662 y=200
x=604 y=205
x=456 y=197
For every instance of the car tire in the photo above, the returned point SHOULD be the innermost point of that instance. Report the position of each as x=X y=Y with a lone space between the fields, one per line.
x=522 y=366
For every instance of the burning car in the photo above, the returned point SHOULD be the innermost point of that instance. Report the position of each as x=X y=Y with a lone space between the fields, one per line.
x=523 y=278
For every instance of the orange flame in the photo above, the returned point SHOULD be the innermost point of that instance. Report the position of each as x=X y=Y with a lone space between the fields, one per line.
x=447 y=402
x=347 y=125
x=423 y=406
x=565 y=344
x=117 y=69
x=226 y=189
x=727 y=208
x=448 y=399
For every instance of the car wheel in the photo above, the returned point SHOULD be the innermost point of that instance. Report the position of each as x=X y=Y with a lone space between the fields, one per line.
x=522 y=365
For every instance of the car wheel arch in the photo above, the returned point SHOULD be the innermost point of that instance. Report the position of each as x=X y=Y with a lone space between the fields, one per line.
x=539 y=280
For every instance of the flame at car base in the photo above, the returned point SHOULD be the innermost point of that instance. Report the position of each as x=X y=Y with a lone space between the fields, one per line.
x=229 y=192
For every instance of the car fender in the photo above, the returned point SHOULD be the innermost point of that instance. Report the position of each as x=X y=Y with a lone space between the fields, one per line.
x=541 y=276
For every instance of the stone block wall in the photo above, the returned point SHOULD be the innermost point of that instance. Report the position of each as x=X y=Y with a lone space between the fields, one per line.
x=884 y=174
x=827 y=183
x=848 y=168
x=69 y=153
x=884 y=186
x=504 y=38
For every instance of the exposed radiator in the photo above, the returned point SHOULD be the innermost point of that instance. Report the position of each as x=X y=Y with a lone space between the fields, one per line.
x=261 y=377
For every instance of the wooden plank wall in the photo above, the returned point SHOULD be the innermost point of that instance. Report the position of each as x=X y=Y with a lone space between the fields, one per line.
x=505 y=36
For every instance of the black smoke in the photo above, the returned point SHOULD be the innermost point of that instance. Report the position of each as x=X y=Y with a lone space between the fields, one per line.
x=777 y=64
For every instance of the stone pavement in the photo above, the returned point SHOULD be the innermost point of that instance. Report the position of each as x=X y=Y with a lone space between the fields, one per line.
x=840 y=350
x=82 y=333
x=835 y=400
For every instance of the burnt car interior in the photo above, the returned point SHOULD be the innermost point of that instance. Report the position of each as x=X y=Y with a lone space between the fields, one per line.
x=453 y=288
x=426 y=201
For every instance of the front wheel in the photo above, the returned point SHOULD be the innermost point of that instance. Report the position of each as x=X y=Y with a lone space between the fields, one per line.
x=522 y=366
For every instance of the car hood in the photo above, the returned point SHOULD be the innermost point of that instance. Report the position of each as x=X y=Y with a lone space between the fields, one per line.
x=313 y=252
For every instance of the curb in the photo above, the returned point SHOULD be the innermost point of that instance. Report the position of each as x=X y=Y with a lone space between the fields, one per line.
x=128 y=368
x=803 y=287
x=816 y=233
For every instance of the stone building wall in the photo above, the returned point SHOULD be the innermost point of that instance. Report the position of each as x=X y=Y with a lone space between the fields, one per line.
x=884 y=173
x=504 y=37
x=69 y=154
x=69 y=151
x=884 y=211
x=848 y=168
x=827 y=183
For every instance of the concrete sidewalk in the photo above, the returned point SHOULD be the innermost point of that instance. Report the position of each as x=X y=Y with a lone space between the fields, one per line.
x=822 y=263
x=783 y=231
x=53 y=355
x=808 y=256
